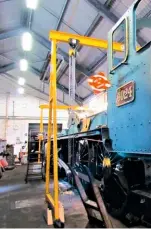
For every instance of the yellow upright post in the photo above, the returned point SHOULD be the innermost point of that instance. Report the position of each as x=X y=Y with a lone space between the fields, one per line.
x=49 y=142
x=41 y=131
x=55 y=151
x=52 y=120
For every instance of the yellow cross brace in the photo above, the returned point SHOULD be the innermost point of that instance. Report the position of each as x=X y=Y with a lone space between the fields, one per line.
x=88 y=41
x=41 y=131
x=64 y=107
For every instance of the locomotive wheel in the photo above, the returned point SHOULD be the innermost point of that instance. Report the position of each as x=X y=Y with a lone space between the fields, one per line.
x=83 y=152
x=114 y=194
x=115 y=198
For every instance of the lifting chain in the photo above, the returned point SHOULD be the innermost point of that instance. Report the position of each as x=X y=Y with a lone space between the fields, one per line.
x=72 y=88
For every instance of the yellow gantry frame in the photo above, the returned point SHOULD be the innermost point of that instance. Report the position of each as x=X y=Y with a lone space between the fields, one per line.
x=41 y=132
x=56 y=36
x=59 y=107
x=65 y=107
x=88 y=41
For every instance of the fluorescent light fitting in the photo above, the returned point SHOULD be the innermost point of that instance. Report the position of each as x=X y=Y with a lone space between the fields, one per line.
x=21 y=90
x=21 y=81
x=32 y=4
x=27 y=41
x=23 y=65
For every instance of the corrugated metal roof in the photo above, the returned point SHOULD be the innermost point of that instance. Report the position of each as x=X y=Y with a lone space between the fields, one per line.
x=55 y=7
x=10 y=44
x=4 y=61
x=120 y=7
x=10 y=14
x=80 y=16
x=73 y=16
x=43 y=22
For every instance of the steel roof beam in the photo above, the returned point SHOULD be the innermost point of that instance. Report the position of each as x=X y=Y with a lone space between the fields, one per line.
x=11 y=77
x=108 y=14
x=19 y=31
x=7 y=68
x=46 y=66
x=92 y=27
x=11 y=33
x=64 y=10
x=89 y=33
x=27 y=17
x=103 y=9
x=10 y=67
x=78 y=66
x=79 y=100
x=44 y=42
x=47 y=44
x=62 y=73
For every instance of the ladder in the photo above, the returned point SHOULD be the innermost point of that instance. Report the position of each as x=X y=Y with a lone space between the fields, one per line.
x=92 y=206
x=34 y=167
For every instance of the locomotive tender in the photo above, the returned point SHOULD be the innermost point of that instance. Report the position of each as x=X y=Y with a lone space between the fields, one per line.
x=116 y=144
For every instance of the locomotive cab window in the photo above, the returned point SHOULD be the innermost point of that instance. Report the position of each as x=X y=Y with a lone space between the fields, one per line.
x=119 y=35
x=143 y=24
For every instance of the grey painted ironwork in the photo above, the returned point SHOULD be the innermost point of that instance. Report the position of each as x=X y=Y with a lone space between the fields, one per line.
x=88 y=33
x=65 y=7
x=7 y=68
x=46 y=65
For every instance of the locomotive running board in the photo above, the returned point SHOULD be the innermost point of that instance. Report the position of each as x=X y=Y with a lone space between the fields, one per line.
x=91 y=206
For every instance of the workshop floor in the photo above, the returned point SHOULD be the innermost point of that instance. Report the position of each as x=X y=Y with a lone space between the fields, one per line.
x=22 y=205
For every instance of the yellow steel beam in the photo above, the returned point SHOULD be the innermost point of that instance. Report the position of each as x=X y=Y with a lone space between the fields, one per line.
x=63 y=107
x=54 y=109
x=50 y=199
x=44 y=106
x=88 y=41
x=48 y=149
x=41 y=121
x=41 y=131
x=52 y=106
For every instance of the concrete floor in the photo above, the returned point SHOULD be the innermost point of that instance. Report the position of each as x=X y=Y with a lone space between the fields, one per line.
x=22 y=205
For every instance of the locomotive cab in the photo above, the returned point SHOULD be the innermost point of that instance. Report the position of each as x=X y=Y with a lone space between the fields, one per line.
x=129 y=110
x=129 y=99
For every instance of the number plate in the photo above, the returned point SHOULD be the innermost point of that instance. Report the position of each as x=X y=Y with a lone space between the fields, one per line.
x=125 y=94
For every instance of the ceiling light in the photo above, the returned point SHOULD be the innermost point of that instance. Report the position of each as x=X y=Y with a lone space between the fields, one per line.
x=21 y=90
x=21 y=81
x=23 y=65
x=27 y=41
x=32 y=4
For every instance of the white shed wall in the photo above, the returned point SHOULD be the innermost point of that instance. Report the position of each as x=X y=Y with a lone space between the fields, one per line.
x=16 y=112
x=97 y=103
